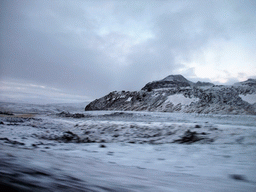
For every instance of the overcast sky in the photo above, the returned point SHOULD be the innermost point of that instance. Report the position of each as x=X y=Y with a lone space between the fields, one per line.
x=79 y=50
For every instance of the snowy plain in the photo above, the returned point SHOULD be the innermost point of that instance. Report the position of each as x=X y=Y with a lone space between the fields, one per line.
x=49 y=148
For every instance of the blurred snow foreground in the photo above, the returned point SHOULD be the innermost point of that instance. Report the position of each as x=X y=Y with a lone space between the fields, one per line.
x=63 y=148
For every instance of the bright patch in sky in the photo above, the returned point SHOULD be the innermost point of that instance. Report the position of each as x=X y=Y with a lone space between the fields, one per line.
x=223 y=60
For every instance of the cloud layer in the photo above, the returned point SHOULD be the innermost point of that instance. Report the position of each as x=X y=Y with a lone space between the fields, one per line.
x=92 y=47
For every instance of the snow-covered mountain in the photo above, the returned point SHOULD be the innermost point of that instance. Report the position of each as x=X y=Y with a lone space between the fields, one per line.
x=177 y=94
x=249 y=82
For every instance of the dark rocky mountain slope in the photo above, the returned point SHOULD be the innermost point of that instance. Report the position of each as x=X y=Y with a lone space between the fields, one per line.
x=176 y=94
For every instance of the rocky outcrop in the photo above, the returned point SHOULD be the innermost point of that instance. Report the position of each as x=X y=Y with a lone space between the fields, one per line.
x=176 y=94
x=172 y=81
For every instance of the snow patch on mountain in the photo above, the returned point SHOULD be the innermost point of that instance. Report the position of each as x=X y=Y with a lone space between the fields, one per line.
x=249 y=98
x=180 y=99
x=129 y=99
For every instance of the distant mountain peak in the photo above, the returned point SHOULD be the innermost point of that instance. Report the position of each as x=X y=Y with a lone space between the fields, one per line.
x=178 y=78
x=248 y=82
x=202 y=84
x=171 y=81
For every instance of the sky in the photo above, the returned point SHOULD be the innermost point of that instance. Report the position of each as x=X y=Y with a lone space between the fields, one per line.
x=80 y=50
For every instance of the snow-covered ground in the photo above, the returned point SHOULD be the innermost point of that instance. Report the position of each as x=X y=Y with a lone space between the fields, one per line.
x=42 y=149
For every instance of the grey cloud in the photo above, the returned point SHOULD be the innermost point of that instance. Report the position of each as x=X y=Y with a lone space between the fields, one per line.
x=93 y=47
x=45 y=58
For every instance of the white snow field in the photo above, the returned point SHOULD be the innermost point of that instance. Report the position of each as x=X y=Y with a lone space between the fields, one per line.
x=63 y=148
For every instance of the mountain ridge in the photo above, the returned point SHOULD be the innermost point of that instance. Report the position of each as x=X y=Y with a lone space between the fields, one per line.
x=177 y=94
x=172 y=81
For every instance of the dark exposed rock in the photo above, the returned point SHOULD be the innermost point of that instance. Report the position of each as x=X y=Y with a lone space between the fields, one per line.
x=87 y=140
x=238 y=177
x=16 y=120
x=20 y=120
x=164 y=84
x=102 y=146
x=118 y=114
x=67 y=114
x=172 y=81
x=78 y=115
x=68 y=136
x=189 y=137
x=6 y=113
x=11 y=141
